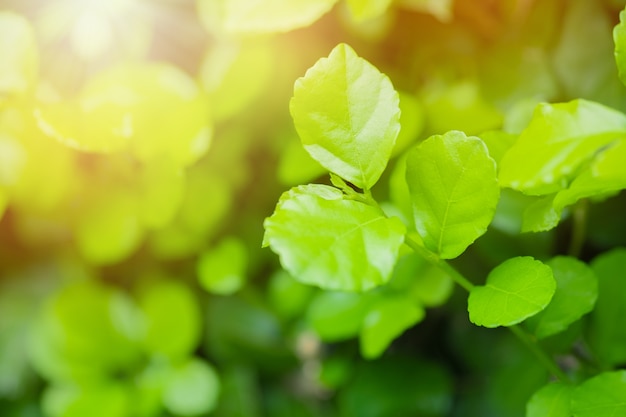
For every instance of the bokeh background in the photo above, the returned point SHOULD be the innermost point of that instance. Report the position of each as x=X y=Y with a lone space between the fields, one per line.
x=143 y=142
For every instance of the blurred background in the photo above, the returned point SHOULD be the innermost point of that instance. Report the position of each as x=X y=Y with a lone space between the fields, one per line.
x=143 y=142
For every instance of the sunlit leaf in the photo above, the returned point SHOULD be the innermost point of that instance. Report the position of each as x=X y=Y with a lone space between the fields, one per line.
x=454 y=191
x=553 y=400
x=575 y=295
x=600 y=396
x=347 y=115
x=606 y=334
x=18 y=49
x=569 y=135
x=326 y=239
x=515 y=290
x=192 y=389
x=222 y=269
x=385 y=320
x=261 y=16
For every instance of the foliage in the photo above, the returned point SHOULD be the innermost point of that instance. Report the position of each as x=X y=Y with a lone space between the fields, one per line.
x=439 y=183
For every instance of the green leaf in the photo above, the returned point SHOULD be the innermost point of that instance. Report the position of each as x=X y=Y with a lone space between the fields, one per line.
x=575 y=296
x=288 y=297
x=222 y=270
x=18 y=49
x=261 y=16
x=325 y=239
x=167 y=334
x=553 y=400
x=569 y=135
x=606 y=333
x=540 y=215
x=385 y=320
x=192 y=389
x=347 y=115
x=605 y=176
x=619 y=37
x=515 y=290
x=601 y=396
x=454 y=191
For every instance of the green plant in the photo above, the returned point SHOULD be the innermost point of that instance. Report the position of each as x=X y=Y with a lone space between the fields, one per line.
x=338 y=237
x=142 y=145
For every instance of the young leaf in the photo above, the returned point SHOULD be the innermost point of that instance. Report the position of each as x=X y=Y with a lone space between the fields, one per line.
x=619 y=37
x=553 y=400
x=568 y=134
x=515 y=290
x=328 y=240
x=575 y=295
x=385 y=320
x=607 y=334
x=454 y=191
x=601 y=396
x=347 y=115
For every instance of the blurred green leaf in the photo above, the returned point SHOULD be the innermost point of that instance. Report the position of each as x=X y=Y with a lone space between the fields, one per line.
x=606 y=334
x=515 y=290
x=347 y=115
x=222 y=269
x=106 y=399
x=458 y=106
x=575 y=296
x=288 y=297
x=108 y=230
x=600 y=396
x=452 y=181
x=172 y=335
x=338 y=316
x=327 y=239
x=386 y=319
x=553 y=400
x=192 y=389
x=569 y=135
x=441 y=9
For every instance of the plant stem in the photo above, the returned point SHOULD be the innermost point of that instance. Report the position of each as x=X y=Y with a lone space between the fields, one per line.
x=542 y=356
x=579 y=228
x=440 y=263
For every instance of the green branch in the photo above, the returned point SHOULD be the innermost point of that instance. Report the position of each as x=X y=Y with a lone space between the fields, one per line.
x=543 y=358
